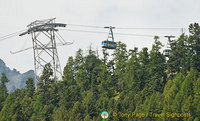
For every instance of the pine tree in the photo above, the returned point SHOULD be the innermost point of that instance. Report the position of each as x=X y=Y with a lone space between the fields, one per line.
x=156 y=69
x=194 y=38
x=30 y=87
x=3 y=89
x=180 y=56
x=45 y=79
x=120 y=59
x=133 y=72
x=68 y=73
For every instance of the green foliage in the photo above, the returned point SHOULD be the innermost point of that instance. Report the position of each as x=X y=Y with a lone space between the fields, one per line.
x=12 y=107
x=69 y=72
x=156 y=68
x=30 y=87
x=194 y=38
x=120 y=59
x=3 y=89
x=60 y=114
x=129 y=81
x=179 y=60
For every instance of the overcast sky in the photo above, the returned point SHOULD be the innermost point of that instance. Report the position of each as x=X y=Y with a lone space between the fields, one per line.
x=15 y=15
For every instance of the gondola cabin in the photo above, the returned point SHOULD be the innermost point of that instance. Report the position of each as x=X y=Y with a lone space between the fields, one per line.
x=109 y=44
x=166 y=52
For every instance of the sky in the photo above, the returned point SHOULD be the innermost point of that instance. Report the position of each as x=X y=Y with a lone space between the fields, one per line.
x=15 y=15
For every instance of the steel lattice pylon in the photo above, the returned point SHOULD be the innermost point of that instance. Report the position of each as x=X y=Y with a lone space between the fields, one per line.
x=44 y=46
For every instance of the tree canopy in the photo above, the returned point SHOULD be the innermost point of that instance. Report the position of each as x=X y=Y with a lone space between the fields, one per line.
x=128 y=84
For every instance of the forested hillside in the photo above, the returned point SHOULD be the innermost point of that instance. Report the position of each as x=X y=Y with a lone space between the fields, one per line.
x=17 y=79
x=133 y=85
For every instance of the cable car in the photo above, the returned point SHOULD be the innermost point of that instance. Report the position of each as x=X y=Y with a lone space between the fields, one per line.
x=109 y=44
x=166 y=52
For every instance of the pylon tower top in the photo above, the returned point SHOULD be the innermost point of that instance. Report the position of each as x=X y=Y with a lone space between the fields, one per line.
x=44 y=46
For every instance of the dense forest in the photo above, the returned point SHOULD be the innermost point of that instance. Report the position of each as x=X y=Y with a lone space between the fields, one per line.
x=132 y=85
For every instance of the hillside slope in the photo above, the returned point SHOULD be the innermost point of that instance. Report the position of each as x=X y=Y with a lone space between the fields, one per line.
x=17 y=80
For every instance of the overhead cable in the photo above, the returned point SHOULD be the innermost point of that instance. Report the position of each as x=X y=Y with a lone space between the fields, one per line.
x=100 y=32
x=79 y=25
x=11 y=35
x=136 y=28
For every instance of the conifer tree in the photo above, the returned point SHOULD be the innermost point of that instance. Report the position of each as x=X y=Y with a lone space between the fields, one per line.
x=3 y=89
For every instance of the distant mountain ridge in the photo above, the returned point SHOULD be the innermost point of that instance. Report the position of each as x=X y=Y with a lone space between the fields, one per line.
x=17 y=80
